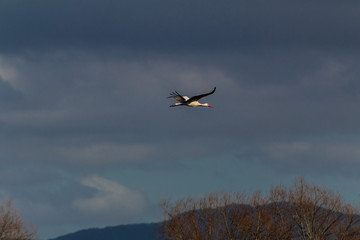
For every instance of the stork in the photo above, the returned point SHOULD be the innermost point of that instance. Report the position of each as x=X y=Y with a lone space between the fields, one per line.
x=190 y=102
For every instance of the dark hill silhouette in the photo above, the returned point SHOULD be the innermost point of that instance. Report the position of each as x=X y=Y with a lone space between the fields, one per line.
x=123 y=232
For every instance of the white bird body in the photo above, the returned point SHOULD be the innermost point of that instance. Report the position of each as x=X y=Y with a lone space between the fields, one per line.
x=190 y=102
x=197 y=104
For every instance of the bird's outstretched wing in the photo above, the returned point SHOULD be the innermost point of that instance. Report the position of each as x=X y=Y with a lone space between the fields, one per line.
x=178 y=97
x=196 y=98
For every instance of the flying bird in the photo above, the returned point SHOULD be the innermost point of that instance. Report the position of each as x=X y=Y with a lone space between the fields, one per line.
x=190 y=102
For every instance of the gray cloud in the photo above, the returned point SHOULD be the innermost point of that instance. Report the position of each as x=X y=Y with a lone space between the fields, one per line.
x=163 y=25
x=117 y=102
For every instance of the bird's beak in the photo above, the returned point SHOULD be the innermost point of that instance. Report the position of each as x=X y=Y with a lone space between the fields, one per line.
x=210 y=106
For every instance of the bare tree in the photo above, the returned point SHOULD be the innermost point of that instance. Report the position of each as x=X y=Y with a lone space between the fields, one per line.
x=282 y=225
x=12 y=226
x=216 y=216
x=300 y=212
x=321 y=214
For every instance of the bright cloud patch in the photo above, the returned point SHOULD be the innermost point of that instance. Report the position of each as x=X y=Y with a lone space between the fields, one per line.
x=7 y=73
x=110 y=197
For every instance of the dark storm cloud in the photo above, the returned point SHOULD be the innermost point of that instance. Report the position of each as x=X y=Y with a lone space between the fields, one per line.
x=181 y=25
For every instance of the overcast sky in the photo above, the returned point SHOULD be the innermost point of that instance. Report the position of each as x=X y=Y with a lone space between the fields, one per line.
x=87 y=138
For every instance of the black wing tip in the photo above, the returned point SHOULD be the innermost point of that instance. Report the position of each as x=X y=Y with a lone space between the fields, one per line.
x=173 y=94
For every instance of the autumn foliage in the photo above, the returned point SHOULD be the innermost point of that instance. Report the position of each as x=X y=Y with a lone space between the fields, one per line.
x=300 y=212
x=12 y=226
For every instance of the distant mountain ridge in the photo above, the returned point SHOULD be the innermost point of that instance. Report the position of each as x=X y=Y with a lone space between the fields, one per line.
x=145 y=231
